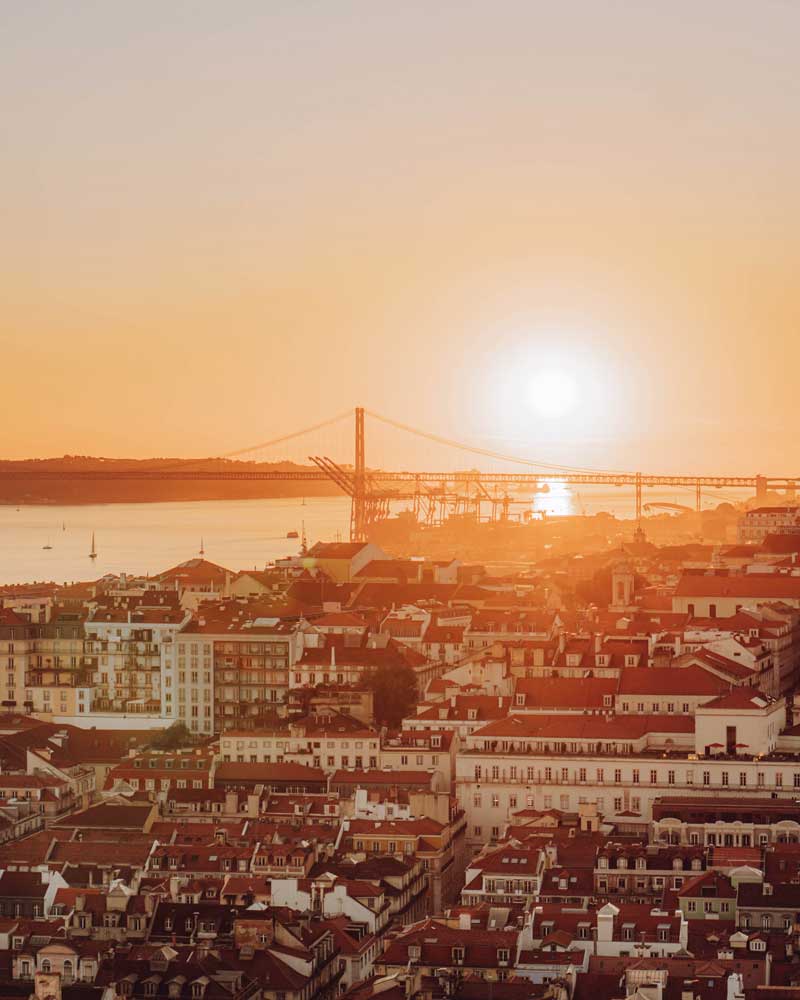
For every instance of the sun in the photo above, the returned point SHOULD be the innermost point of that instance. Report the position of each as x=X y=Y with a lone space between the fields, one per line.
x=552 y=393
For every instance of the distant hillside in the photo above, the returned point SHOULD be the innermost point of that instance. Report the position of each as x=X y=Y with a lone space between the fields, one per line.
x=19 y=482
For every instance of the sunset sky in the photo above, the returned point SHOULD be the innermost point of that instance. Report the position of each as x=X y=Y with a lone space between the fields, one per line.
x=223 y=221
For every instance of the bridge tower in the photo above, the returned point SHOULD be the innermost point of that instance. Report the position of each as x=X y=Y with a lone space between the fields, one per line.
x=358 y=502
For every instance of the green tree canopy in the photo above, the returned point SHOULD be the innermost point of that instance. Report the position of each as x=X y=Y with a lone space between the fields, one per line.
x=395 y=693
x=173 y=738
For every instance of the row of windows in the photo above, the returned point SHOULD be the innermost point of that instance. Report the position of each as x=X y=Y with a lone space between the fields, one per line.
x=566 y=775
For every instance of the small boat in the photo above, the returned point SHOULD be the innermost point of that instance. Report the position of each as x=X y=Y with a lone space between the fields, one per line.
x=48 y=546
x=292 y=534
x=93 y=553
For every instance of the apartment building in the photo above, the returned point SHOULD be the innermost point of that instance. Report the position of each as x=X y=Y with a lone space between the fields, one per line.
x=622 y=763
x=232 y=663
x=16 y=633
x=756 y=524
x=59 y=680
x=129 y=646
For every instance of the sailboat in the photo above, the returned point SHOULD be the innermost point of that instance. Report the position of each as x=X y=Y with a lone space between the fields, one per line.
x=93 y=553
x=48 y=546
x=202 y=547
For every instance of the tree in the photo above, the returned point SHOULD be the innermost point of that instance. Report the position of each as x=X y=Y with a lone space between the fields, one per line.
x=395 y=693
x=176 y=736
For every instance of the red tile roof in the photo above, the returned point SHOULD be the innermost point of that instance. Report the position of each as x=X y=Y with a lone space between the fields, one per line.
x=747 y=585
x=690 y=680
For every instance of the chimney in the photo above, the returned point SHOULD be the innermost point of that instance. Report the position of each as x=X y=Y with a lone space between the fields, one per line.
x=333 y=655
x=464 y=922
x=678 y=645
x=598 y=643
x=562 y=642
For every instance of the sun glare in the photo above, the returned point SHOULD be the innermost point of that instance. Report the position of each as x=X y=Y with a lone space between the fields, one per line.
x=552 y=393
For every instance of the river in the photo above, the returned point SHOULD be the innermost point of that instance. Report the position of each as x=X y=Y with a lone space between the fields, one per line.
x=151 y=537
x=239 y=534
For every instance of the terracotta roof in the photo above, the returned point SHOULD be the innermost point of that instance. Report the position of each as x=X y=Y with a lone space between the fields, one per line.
x=336 y=550
x=375 y=777
x=690 y=680
x=565 y=692
x=592 y=727
x=267 y=773
x=740 y=699
x=752 y=585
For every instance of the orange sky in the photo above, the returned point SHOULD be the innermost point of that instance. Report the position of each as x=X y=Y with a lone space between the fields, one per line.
x=223 y=221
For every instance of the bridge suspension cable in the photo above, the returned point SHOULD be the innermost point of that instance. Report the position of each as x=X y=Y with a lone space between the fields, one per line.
x=486 y=452
x=289 y=437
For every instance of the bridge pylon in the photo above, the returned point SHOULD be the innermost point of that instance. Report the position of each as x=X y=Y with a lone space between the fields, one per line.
x=358 y=500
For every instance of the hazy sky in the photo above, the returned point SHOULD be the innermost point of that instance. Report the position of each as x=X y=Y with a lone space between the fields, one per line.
x=225 y=220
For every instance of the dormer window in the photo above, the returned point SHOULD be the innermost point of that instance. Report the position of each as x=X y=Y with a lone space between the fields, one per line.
x=150 y=988
x=458 y=955
x=414 y=952
x=198 y=989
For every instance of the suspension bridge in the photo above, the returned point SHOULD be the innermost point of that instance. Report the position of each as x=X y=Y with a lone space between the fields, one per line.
x=432 y=496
